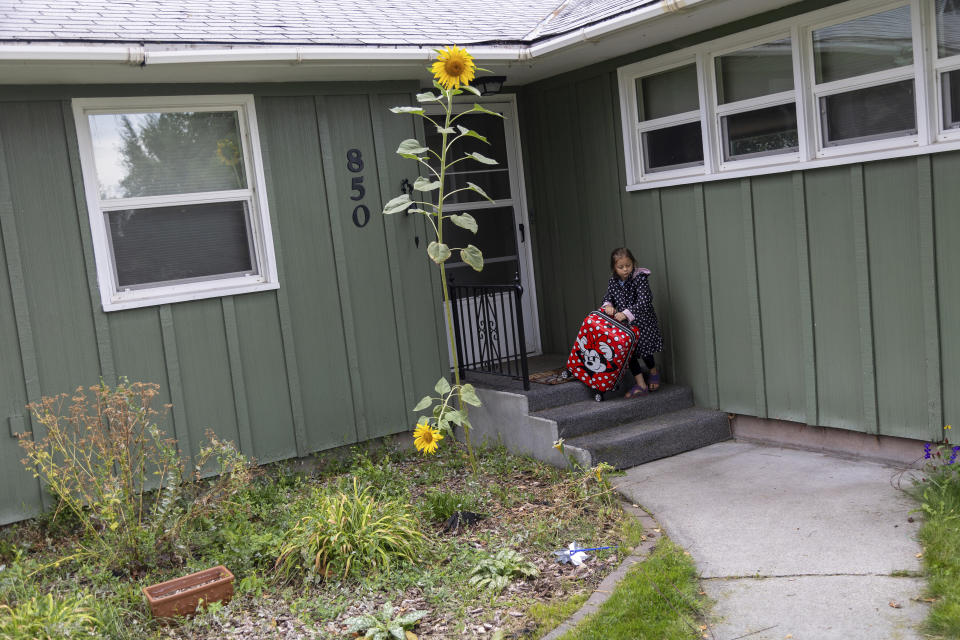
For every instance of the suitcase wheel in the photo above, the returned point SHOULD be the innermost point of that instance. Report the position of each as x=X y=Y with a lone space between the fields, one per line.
x=565 y=374
x=598 y=396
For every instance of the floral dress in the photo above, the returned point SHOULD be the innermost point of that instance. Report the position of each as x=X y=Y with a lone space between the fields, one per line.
x=635 y=299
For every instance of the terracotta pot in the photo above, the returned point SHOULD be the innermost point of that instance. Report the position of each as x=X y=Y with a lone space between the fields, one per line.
x=182 y=596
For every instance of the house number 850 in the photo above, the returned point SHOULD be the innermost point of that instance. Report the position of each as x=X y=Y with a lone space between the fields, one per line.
x=361 y=214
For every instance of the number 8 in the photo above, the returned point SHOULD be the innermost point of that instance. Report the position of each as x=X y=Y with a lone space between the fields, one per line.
x=354 y=161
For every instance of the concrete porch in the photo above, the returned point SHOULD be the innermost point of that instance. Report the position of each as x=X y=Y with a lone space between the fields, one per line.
x=621 y=432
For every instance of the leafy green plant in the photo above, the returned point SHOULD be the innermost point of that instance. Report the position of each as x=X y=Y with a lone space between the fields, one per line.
x=495 y=572
x=108 y=463
x=350 y=532
x=440 y=505
x=453 y=71
x=48 y=618
x=384 y=625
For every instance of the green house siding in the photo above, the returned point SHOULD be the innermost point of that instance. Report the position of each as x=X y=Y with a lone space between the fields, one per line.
x=824 y=296
x=338 y=354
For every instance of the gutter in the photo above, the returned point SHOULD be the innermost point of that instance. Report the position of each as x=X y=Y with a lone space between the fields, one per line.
x=140 y=55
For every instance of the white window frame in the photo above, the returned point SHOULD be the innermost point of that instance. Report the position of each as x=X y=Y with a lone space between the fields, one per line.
x=634 y=128
x=940 y=67
x=925 y=71
x=866 y=81
x=752 y=104
x=115 y=298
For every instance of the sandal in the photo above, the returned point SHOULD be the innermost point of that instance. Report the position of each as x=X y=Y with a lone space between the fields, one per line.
x=653 y=381
x=637 y=390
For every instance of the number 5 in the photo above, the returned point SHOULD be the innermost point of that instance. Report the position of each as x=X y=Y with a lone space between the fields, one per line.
x=356 y=185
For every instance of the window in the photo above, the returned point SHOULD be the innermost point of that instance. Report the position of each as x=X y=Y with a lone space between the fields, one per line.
x=756 y=102
x=864 y=78
x=174 y=194
x=668 y=120
x=854 y=81
x=947 y=64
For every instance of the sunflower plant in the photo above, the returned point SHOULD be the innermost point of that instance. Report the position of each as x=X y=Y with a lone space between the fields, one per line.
x=453 y=71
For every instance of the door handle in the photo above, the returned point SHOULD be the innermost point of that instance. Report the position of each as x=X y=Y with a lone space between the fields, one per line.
x=523 y=234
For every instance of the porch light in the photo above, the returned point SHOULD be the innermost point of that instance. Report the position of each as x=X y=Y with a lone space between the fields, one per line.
x=489 y=85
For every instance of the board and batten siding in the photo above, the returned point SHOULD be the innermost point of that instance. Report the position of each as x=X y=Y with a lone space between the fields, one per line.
x=338 y=354
x=826 y=297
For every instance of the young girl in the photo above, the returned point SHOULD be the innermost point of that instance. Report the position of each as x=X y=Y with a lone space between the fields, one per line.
x=629 y=299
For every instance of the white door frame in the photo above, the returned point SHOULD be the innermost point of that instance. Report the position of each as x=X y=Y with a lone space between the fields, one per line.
x=518 y=192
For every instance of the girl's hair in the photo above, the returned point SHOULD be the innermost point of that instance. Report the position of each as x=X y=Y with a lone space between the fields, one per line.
x=616 y=254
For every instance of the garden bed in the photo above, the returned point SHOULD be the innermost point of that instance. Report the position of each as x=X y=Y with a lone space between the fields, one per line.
x=526 y=507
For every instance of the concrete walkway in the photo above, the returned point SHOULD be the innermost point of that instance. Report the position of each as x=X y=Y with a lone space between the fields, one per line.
x=790 y=544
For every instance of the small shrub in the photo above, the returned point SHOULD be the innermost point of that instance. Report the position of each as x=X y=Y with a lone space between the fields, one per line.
x=348 y=533
x=494 y=573
x=107 y=462
x=48 y=618
x=440 y=505
x=384 y=626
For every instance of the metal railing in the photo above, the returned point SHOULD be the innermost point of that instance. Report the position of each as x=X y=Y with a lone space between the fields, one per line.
x=488 y=328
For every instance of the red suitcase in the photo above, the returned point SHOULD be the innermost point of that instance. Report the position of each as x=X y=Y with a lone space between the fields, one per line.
x=601 y=352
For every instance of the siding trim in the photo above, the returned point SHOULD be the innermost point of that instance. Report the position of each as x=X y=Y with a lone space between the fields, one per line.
x=928 y=283
x=753 y=296
x=174 y=381
x=806 y=300
x=864 y=297
x=396 y=282
x=710 y=352
x=287 y=338
x=236 y=374
x=666 y=280
x=100 y=322
x=21 y=307
x=342 y=274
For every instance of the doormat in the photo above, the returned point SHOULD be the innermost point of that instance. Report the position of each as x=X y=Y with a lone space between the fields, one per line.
x=550 y=377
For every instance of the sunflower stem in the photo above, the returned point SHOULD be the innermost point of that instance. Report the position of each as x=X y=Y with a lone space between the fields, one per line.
x=448 y=108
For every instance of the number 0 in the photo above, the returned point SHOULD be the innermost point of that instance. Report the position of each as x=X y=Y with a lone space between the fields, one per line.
x=361 y=215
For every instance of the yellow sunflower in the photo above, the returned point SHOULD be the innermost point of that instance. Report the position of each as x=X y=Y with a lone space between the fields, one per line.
x=454 y=66
x=425 y=438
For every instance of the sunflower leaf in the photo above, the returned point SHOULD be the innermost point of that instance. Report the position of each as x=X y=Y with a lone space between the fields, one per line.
x=398 y=204
x=422 y=184
x=427 y=96
x=412 y=110
x=447 y=130
x=476 y=188
x=453 y=416
x=423 y=404
x=469 y=395
x=477 y=107
x=464 y=221
x=411 y=148
x=442 y=387
x=473 y=257
x=472 y=90
x=438 y=252
x=470 y=132
x=481 y=158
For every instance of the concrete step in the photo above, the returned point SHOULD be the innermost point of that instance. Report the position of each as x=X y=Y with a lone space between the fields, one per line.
x=652 y=438
x=586 y=416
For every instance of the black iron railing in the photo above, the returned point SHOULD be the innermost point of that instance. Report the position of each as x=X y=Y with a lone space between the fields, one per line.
x=488 y=327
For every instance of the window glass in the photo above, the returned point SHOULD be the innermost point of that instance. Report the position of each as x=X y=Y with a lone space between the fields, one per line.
x=761 y=132
x=493 y=179
x=872 y=43
x=875 y=112
x=948 y=28
x=180 y=243
x=673 y=147
x=951 y=99
x=155 y=154
x=754 y=72
x=668 y=93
